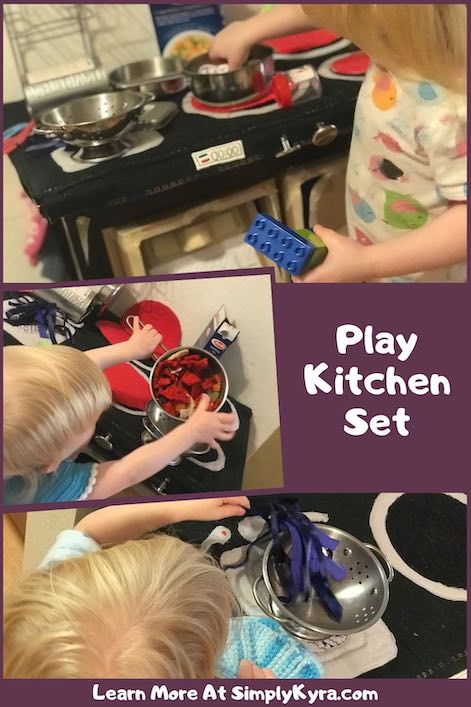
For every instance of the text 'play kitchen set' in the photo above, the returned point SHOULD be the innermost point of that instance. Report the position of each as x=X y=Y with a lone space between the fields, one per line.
x=109 y=157
x=149 y=398
x=321 y=567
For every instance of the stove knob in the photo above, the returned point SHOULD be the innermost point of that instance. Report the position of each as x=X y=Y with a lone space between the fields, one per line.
x=162 y=487
x=324 y=134
x=104 y=441
x=175 y=462
x=287 y=147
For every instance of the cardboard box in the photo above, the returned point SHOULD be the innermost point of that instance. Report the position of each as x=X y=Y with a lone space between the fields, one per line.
x=186 y=30
x=218 y=335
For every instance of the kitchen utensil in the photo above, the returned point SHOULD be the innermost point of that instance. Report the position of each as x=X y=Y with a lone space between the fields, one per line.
x=159 y=76
x=94 y=120
x=249 y=81
x=363 y=594
x=130 y=321
x=53 y=53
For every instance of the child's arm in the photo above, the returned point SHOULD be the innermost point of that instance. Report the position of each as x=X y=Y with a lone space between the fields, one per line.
x=141 y=344
x=116 y=524
x=440 y=243
x=233 y=43
x=203 y=426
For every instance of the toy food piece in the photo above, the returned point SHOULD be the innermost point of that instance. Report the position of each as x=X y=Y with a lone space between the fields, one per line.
x=293 y=251
x=320 y=248
x=181 y=379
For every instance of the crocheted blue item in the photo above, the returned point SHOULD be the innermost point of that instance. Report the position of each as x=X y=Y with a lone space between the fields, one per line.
x=68 y=545
x=263 y=642
x=68 y=483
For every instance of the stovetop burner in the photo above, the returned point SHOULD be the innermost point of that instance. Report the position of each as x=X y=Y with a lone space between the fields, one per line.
x=70 y=160
x=101 y=153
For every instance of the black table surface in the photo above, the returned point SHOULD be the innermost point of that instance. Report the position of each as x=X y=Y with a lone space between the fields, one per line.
x=159 y=179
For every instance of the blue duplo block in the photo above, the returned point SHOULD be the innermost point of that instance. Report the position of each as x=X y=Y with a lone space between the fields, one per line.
x=280 y=244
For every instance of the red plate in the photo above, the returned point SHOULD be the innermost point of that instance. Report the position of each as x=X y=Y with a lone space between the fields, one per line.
x=355 y=64
x=303 y=42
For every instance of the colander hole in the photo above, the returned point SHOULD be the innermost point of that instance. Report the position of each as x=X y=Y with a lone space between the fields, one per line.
x=358 y=563
x=357 y=615
x=359 y=582
x=364 y=608
x=367 y=576
x=357 y=621
x=371 y=607
x=374 y=592
x=351 y=569
x=359 y=571
x=373 y=612
x=366 y=567
x=365 y=620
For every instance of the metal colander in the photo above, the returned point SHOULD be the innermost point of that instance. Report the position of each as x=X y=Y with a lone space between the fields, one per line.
x=363 y=594
x=95 y=119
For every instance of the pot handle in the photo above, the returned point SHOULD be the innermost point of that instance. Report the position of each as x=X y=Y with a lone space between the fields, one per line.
x=376 y=551
x=260 y=603
x=148 y=96
x=45 y=132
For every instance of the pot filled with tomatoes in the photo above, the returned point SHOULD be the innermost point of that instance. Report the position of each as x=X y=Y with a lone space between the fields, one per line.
x=178 y=380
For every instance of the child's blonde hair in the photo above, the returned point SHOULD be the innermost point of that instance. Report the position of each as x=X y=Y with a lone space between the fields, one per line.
x=156 y=608
x=50 y=394
x=414 y=41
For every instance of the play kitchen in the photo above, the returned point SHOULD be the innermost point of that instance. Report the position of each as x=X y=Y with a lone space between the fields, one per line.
x=199 y=355
x=169 y=127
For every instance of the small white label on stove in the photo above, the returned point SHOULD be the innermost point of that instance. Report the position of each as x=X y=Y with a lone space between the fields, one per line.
x=219 y=154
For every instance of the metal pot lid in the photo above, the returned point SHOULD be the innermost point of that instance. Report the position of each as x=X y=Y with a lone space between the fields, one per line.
x=363 y=594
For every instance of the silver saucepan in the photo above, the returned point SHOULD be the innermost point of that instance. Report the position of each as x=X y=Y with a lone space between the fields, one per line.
x=159 y=417
x=232 y=87
x=160 y=76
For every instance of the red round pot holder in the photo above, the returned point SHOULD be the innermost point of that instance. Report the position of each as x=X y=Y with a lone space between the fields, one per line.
x=129 y=387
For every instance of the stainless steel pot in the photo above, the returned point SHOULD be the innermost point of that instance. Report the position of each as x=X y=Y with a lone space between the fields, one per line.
x=232 y=87
x=160 y=417
x=160 y=76
x=363 y=594
x=94 y=120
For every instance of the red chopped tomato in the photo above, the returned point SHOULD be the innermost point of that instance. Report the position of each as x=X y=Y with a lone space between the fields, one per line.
x=168 y=407
x=190 y=378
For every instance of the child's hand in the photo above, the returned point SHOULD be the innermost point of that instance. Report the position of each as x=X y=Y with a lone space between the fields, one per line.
x=142 y=342
x=346 y=261
x=215 y=508
x=231 y=44
x=211 y=426
x=249 y=671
